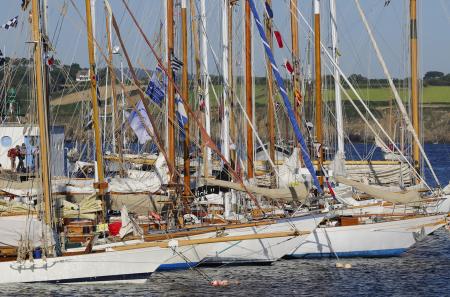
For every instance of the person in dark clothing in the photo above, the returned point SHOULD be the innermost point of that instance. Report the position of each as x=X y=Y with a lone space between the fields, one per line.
x=21 y=155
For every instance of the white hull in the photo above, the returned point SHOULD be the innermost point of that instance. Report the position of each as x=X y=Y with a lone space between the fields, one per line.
x=264 y=250
x=130 y=265
x=376 y=239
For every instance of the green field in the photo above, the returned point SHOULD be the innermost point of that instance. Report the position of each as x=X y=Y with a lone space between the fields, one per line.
x=430 y=94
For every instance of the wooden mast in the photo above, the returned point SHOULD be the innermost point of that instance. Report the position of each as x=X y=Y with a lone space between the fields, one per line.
x=170 y=89
x=271 y=103
x=100 y=185
x=249 y=88
x=414 y=82
x=119 y=143
x=231 y=80
x=42 y=116
x=318 y=78
x=295 y=60
x=185 y=93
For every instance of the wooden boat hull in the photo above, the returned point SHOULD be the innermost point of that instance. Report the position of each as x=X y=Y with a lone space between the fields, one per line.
x=368 y=240
x=109 y=266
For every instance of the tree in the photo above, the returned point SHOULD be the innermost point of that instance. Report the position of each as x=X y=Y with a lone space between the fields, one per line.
x=433 y=75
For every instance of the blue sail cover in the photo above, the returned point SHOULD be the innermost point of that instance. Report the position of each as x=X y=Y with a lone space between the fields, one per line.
x=280 y=83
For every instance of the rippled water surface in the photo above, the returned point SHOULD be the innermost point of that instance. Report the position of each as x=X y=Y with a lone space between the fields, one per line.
x=422 y=271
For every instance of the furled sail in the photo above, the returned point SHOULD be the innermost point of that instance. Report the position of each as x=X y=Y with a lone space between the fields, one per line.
x=297 y=193
x=376 y=192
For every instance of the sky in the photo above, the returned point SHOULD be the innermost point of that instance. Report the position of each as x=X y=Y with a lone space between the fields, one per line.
x=357 y=55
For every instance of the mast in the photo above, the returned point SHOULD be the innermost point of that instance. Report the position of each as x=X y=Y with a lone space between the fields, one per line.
x=318 y=78
x=271 y=103
x=225 y=147
x=205 y=75
x=93 y=79
x=44 y=142
x=248 y=88
x=185 y=91
x=230 y=78
x=113 y=87
x=337 y=78
x=295 y=60
x=170 y=88
x=414 y=82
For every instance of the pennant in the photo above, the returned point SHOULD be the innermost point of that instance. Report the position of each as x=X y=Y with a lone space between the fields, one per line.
x=12 y=23
x=278 y=38
x=139 y=120
x=284 y=96
x=155 y=89
x=50 y=61
x=269 y=11
x=175 y=63
x=181 y=115
x=289 y=67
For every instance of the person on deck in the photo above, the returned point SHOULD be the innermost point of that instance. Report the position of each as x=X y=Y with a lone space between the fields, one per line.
x=22 y=152
x=12 y=154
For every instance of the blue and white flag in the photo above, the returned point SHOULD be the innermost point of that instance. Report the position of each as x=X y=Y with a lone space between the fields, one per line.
x=155 y=89
x=12 y=23
x=181 y=114
x=139 y=122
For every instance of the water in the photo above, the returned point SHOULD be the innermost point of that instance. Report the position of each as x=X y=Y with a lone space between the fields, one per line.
x=422 y=271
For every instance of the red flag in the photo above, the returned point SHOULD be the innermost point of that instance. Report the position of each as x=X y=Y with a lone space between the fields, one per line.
x=289 y=67
x=278 y=38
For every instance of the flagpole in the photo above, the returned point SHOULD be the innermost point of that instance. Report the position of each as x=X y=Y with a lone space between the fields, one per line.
x=318 y=71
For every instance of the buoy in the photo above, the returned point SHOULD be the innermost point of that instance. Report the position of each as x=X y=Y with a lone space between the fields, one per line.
x=347 y=266
x=339 y=265
x=220 y=283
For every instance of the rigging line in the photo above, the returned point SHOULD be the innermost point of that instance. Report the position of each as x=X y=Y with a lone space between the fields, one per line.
x=371 y=127
x=208 y=140
x=257 y=137
x=324 y=49
x=396 y=95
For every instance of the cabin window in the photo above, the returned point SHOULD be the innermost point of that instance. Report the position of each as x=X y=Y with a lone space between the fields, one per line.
x=6 y=141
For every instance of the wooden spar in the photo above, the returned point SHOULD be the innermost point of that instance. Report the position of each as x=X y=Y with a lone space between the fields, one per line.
x=414 y=83
x=231 y=80
x=196 y=43
x=119 y=143
x=42 y=116
x=146 y=102
x=95 y=111
x=249 y=88
x=185 y=242
x=270 y=103
x=295 y=62
x=170 y=89
x=185 y=92
x=318 y=78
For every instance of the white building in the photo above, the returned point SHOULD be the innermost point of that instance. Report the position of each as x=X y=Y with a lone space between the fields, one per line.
x=12 y=134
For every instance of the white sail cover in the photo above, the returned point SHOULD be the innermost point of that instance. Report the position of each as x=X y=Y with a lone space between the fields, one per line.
x=295 y=193
x=14 y=229
x=377 y=192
